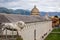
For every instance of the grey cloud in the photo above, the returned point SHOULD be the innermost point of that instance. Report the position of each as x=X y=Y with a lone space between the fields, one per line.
x=45 y=5
x=4 y=1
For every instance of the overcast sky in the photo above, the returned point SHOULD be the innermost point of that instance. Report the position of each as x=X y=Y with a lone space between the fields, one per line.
x=42 y=5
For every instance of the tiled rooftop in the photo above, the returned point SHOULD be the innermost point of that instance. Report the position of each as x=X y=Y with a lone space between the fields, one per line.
x=18 y=17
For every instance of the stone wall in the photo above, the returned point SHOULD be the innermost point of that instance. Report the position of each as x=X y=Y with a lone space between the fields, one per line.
x=41 y=30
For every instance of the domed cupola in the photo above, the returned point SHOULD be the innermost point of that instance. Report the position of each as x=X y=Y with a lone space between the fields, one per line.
x=35 y=11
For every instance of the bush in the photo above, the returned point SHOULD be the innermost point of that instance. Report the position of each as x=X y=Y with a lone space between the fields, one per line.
x=19 y=38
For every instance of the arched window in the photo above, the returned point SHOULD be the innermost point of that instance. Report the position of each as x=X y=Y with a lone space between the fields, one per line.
x=35 y=34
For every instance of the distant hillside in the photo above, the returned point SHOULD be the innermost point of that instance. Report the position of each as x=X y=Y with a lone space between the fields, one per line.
x=21 y=11
x=4 y=10
x=50 y=13
x=17 y=11
x=25 y=12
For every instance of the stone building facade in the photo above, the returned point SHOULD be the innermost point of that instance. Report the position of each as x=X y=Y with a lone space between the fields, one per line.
x=37 y=27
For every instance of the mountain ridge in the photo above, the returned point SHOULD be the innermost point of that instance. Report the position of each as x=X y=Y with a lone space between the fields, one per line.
x=25 y=12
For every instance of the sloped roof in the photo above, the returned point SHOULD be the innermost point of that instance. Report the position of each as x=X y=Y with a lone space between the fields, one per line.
x=3 y=19
x=17 y=17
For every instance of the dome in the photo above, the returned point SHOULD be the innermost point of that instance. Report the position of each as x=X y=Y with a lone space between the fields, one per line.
x=35 y=11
